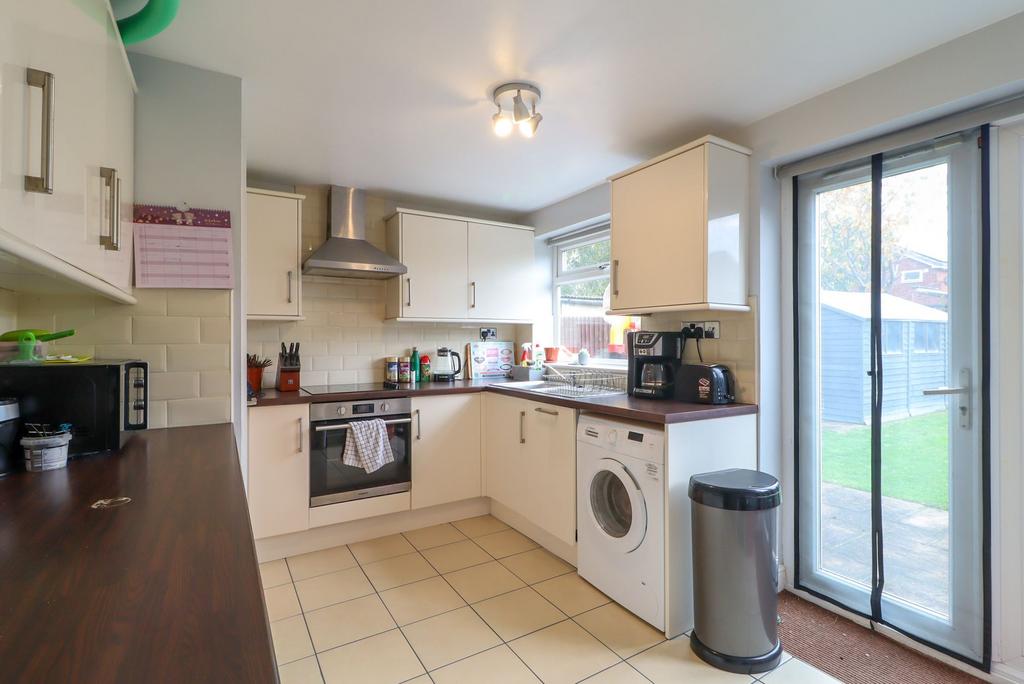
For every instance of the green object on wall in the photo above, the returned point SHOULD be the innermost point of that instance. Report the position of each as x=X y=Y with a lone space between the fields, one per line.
x=148 y=21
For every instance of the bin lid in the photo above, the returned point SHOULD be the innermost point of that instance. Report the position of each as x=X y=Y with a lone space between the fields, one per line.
x=736 y=489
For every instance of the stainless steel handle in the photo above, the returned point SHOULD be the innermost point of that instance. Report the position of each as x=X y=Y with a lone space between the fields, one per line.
x=290 y=276
x=408 y=287
x=522 y=427
x=547 y=412
x=299 y=449
x=419 y=425
x=112 y=240
x=473 y=285
x=36 y=78
x=345 y=426
x=615 y=277
x=963 y=392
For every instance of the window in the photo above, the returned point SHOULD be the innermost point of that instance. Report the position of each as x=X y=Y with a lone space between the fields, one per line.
x=927 y=337
x=916 y=276
x=582 y=295
x=892 y=337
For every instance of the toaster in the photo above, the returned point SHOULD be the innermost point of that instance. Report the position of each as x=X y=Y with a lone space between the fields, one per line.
x=705 y=383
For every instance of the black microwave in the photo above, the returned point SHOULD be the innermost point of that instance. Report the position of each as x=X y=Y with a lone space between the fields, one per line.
x=100 y=399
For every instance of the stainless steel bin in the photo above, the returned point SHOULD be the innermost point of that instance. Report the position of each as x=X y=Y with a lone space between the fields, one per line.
x=735 y=570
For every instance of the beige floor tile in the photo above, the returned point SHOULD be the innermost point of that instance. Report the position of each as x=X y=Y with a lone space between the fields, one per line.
x=422 y=679
x=281 y=602
x=346 y=622
x=320 y=562
x=622 y=673
x=421 y=600
x=456 y=556
x=274 y=573
x=378 y=549
x=481 y=582
x=795 y=671
x=571 y=594
x=517 y=613
x=673 y=661
x=563 y=653
x=394 y=572
x=435 y=535
x=536 y=565
x=495 y=666
x=305 y=671
x=448 y=637
x=620 y=630
x=291 y=640
x=480 y=525
x=382 y=659
x=505 y=543
x=333 y=587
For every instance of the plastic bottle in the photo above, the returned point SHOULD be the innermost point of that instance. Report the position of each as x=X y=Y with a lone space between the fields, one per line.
x=414 y=365
x=425 y=368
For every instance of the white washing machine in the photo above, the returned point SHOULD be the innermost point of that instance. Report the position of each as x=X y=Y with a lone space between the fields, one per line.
x=620 y=510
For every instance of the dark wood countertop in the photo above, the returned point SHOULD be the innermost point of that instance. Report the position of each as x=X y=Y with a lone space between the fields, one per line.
x=620 y=405
x=165 y=588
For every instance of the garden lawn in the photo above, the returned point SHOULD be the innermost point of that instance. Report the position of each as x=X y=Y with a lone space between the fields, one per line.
x=915 y=458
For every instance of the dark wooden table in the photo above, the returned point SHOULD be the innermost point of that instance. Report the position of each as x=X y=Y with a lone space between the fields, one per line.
x=165 y=588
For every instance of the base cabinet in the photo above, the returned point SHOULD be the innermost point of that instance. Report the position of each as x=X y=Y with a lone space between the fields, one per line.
x=446 y=449
x=278 y=469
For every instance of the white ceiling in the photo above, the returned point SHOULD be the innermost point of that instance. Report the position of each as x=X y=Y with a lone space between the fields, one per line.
x=393 y=95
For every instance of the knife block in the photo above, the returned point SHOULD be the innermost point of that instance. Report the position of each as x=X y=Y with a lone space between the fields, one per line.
x=287 y=376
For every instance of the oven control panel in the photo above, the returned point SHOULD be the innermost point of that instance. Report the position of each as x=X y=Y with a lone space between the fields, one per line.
x=367 y=408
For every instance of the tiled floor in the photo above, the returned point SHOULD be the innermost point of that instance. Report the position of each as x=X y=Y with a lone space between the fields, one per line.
x=472 y=601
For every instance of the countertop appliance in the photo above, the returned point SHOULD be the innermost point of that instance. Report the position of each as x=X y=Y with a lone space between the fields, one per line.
x=346 y=253
x=705 y=383
x=101 y=399
x=653 y=363
x=620 y=510
x=330 y=480
x=10 y=451
x=447 y=364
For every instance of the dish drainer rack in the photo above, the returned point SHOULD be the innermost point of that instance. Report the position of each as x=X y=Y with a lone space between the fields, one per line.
x=586 y=382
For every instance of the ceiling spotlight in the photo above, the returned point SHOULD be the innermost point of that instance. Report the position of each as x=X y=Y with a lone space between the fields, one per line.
x=521 y=100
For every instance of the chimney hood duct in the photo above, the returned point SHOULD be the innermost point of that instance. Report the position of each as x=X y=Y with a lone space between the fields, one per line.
x=346 y=253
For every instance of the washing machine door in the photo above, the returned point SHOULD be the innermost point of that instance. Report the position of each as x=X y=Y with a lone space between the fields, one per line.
x=616 y=505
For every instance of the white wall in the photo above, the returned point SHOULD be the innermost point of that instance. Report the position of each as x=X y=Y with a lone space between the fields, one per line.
x=572 y=212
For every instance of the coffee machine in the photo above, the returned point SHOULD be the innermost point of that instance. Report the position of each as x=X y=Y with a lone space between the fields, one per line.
x=654 y=361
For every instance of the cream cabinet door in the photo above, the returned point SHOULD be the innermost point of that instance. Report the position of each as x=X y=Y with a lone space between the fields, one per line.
x=551 y=462
x=446 y=460
x=658 y=234
x=500 y=262
x=278 y=469
x=505 y=475
x=273 y=264
x=437 y=282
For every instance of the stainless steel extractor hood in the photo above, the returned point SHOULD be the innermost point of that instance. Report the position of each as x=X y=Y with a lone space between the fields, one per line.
x=347 y=254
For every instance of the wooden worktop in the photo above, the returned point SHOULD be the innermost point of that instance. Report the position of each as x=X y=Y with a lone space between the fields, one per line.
x=618 y=405
x=165 y=588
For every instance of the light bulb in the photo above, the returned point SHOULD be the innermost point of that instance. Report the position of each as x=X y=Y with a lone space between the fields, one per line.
x=528 y=128
x=502 y=125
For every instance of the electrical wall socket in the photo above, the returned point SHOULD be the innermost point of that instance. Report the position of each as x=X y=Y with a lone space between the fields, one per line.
x=712 y=330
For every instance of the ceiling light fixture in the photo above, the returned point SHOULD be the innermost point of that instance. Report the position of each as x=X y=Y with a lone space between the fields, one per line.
x=521 y=100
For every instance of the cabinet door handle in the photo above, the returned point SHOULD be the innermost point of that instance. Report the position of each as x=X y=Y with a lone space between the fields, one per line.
x=522 y=427
x=473 y=285
x=298 y=450
x=408 y=289
x=615 y=277
x=290 y=276
x=112 y=241
x=547 y=412
x=36 y=78
x=419 y=426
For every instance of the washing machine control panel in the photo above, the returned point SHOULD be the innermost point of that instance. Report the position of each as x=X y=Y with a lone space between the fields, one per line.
x=623 y=438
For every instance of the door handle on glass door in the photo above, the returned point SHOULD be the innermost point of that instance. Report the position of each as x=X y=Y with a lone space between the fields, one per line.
x=964 y=392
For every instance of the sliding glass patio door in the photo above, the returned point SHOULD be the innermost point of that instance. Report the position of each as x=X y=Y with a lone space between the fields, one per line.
x=888 y=306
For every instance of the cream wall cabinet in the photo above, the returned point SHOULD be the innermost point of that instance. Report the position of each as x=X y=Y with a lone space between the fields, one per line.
x=679 y=230
x=446 y=449
x=278 y=469
x=66 y=96
x=459 y=269
x=273 y=255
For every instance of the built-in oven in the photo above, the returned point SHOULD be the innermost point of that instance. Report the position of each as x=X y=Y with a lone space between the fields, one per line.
x=330 y=480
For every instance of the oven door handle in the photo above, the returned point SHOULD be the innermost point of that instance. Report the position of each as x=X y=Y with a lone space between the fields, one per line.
x=345 y=426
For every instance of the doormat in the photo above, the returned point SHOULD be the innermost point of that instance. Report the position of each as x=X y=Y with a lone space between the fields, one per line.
x=854 y=654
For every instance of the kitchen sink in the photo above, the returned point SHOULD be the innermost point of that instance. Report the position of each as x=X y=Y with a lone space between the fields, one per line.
x=562 y=389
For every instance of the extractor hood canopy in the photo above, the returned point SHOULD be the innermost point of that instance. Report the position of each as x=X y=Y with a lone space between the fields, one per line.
x=346 y=253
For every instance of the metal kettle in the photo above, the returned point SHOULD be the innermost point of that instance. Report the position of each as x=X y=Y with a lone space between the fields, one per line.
x=447 y=365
